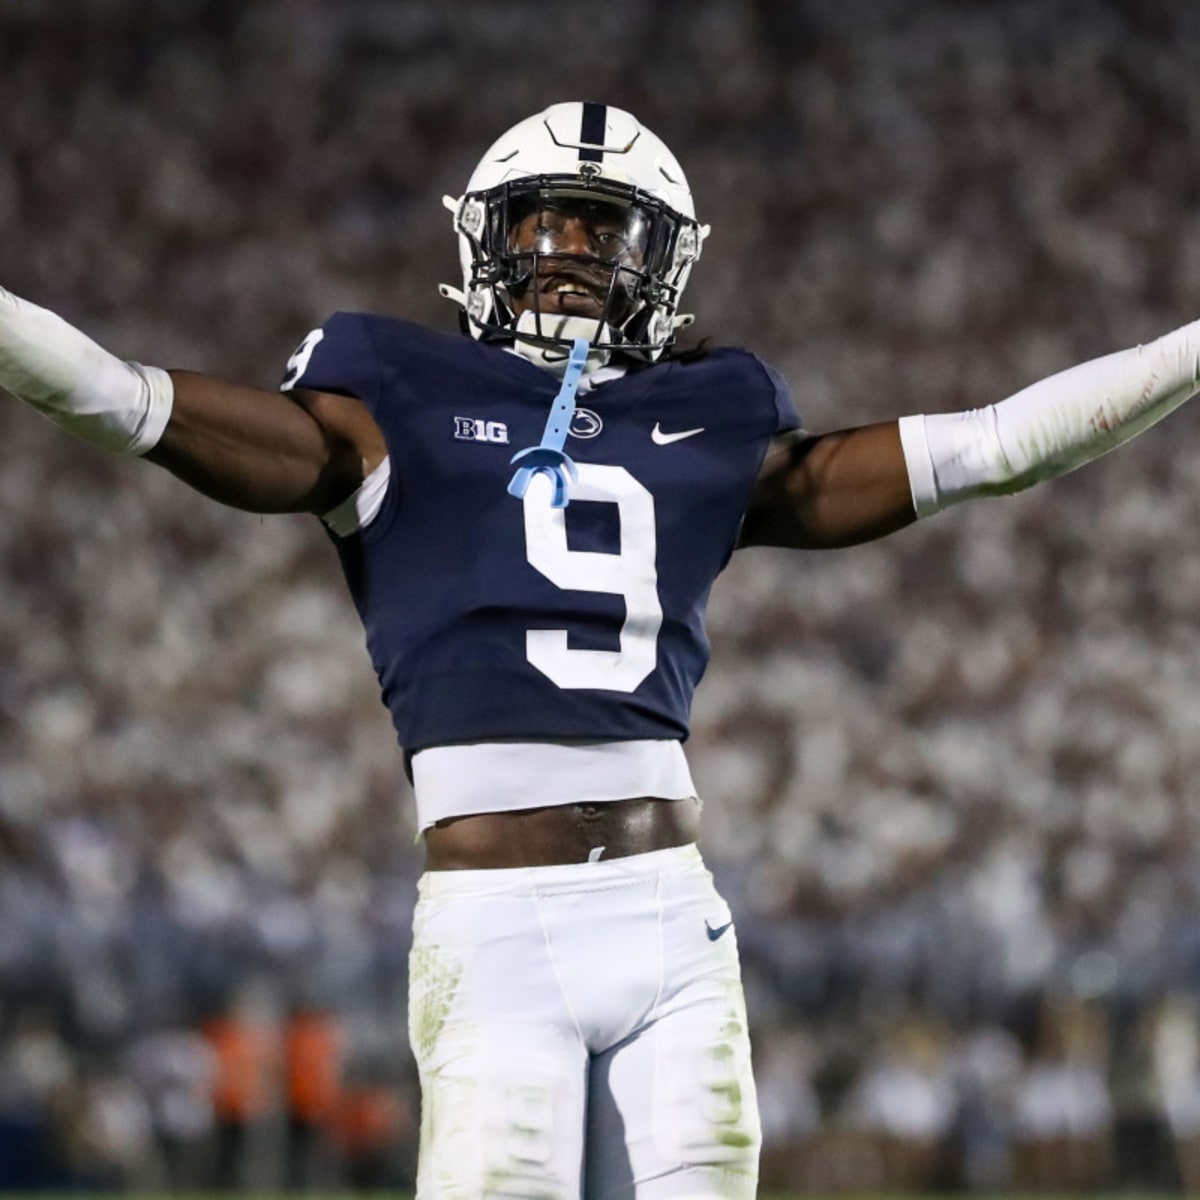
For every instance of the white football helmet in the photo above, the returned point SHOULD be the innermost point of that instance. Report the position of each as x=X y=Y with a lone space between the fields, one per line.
x=566 y=165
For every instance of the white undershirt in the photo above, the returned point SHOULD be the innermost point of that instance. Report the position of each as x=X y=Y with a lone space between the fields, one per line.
x=482 y=777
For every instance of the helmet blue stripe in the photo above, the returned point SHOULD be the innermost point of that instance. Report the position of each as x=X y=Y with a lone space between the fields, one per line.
x=591 y=131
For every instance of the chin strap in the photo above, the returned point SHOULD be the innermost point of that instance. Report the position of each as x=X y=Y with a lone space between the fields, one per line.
x=548 y=456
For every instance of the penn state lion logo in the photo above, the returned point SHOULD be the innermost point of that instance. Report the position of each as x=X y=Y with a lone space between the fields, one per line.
x=585 y=423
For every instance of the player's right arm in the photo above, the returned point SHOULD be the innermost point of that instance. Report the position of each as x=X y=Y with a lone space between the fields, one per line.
x=247 y=447
x=266 y=451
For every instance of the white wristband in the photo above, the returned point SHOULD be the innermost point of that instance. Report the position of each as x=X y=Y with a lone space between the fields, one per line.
x=52 y=367
x=1051 y=427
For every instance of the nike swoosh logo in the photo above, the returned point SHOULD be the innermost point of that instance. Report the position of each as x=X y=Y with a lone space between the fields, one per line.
x=665 y=439
x=713 y=934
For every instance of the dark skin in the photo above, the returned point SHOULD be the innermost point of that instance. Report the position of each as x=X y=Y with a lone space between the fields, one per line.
x=264 y=451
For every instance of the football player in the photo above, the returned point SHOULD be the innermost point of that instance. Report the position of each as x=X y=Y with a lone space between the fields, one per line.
x=530 y=518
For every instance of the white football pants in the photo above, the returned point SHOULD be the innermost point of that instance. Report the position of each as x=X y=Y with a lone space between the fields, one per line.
x=580 y=1032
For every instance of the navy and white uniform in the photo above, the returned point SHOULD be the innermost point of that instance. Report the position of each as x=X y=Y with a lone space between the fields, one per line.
x=579 y=1029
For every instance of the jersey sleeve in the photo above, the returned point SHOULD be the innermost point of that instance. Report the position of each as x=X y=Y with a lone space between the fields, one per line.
x=338 y=357
x=787 y=416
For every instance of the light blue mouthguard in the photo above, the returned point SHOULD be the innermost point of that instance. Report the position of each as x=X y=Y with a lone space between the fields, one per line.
x=548 y=456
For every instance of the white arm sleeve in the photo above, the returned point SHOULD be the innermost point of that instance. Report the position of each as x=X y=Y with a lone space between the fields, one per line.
x=1051 y=427
x=80 y=386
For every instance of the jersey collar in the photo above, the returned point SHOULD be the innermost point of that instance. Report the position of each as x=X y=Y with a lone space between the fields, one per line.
x=587 y=381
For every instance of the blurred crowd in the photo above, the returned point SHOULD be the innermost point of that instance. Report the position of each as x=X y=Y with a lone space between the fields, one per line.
x=947 y=777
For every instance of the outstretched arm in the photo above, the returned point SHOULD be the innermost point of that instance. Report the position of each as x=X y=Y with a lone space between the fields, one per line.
x=247 y=447
x=837 y=489
x=266 y=451
x=842 y=488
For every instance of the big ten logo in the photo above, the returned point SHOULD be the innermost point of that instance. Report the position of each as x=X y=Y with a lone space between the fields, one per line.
x=475 y=429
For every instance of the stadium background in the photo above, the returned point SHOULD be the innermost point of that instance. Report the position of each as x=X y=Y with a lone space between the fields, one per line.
x=949 y=778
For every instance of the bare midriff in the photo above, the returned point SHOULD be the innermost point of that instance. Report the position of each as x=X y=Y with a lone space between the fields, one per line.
x=572 y=833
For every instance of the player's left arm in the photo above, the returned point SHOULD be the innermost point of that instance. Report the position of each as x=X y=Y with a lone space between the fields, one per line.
x=836 y=489
x=841 y=488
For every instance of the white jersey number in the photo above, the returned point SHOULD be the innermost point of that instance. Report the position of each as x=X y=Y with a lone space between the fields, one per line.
x=631 y=573
x=298 y=363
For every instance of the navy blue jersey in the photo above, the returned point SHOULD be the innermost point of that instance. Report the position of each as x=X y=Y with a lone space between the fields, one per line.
x=491 y=618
